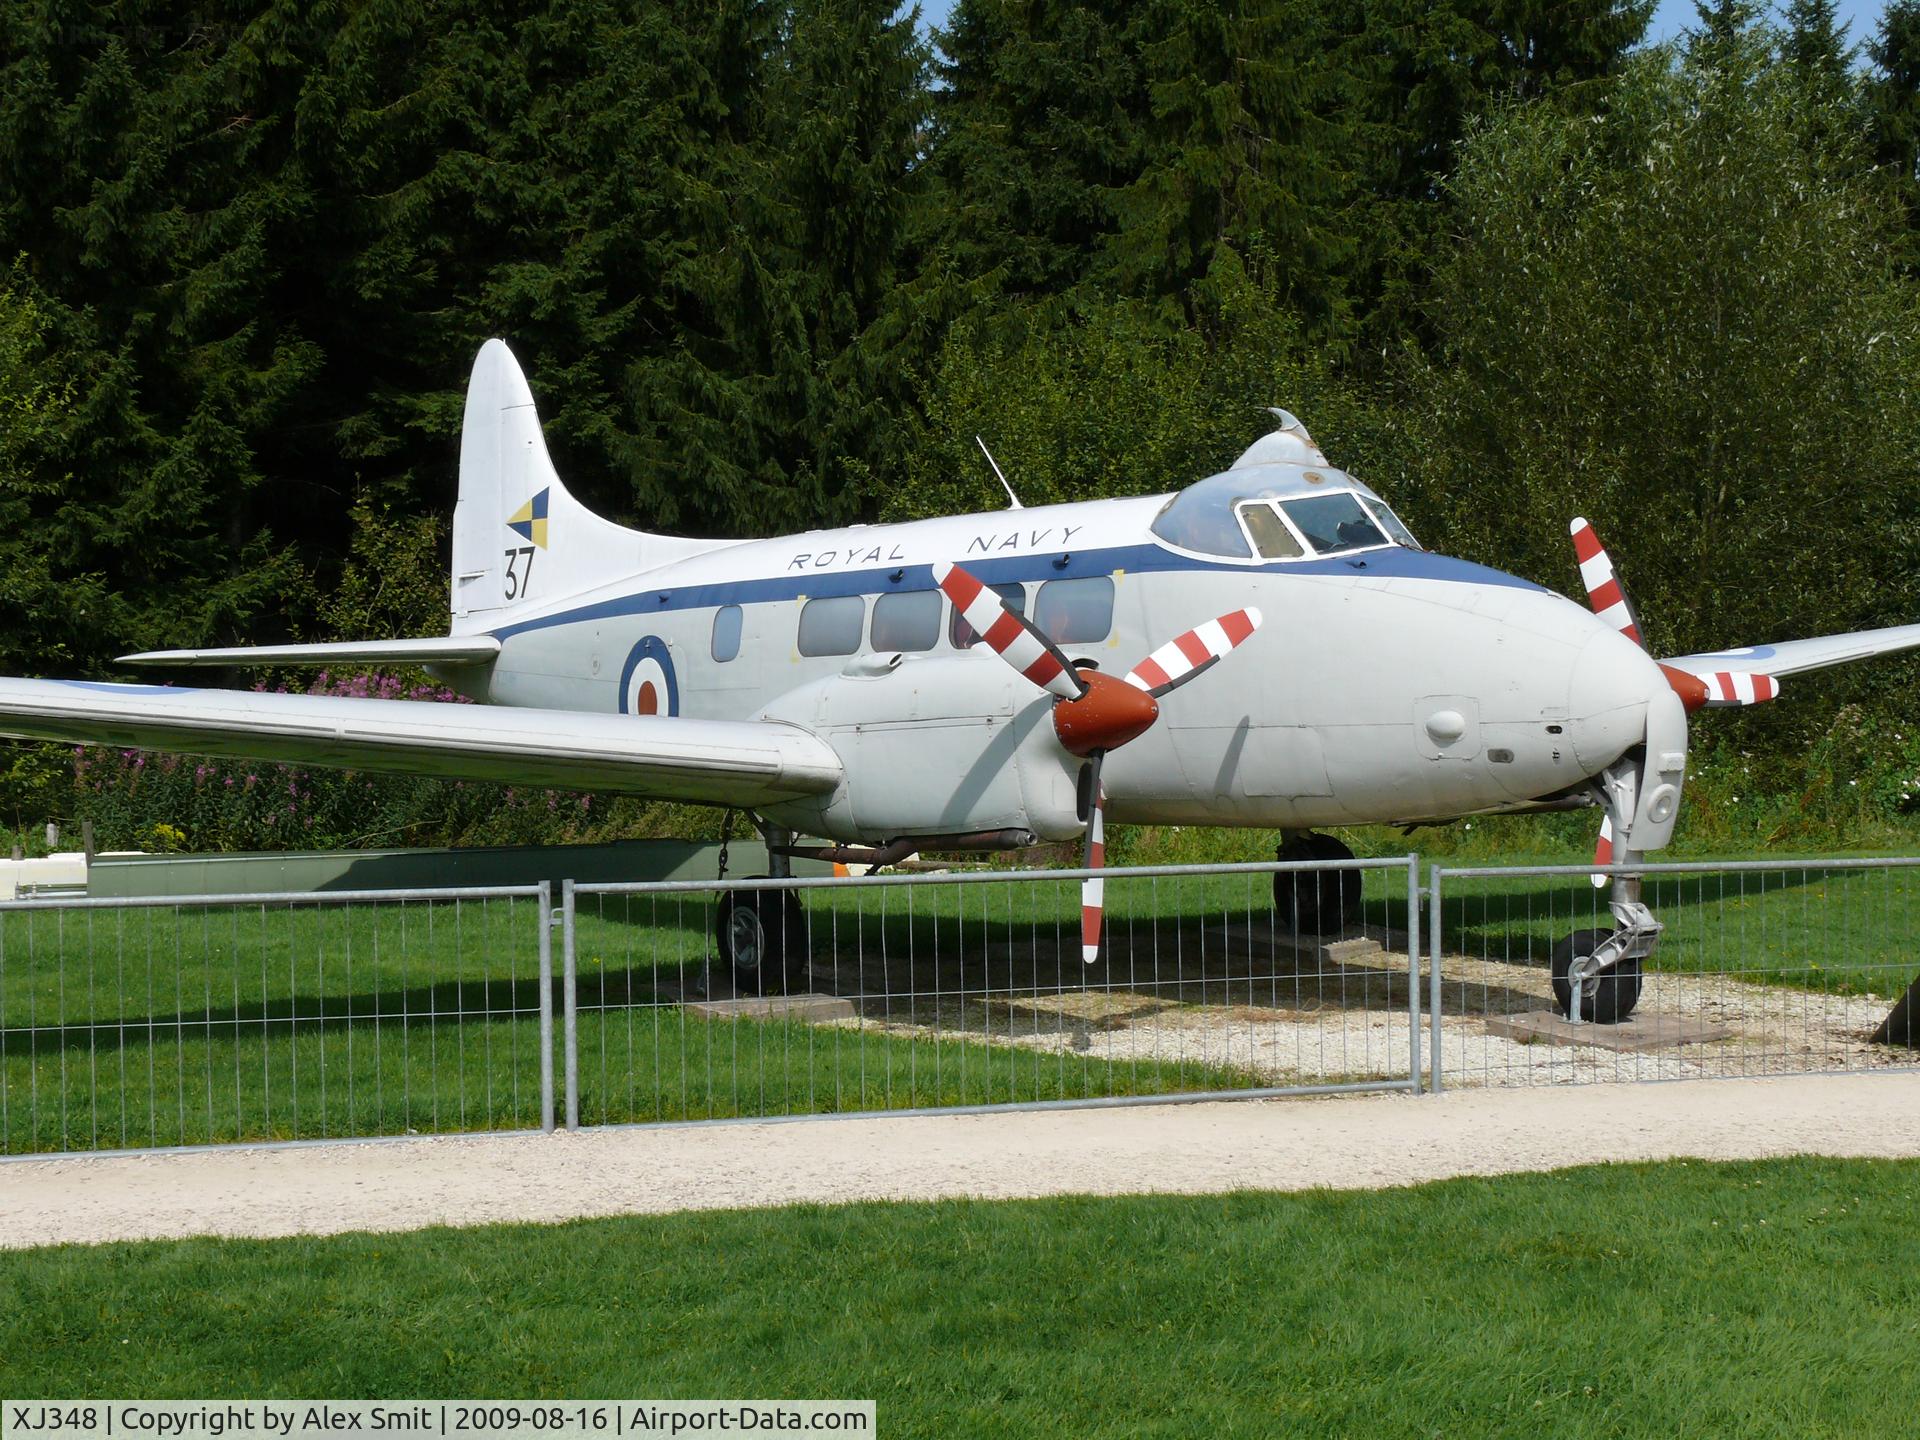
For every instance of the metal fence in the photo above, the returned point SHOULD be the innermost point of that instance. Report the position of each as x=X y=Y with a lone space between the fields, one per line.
x=958 y=990
x=134 y=1023
x=1763 y=968
x=139 y=1023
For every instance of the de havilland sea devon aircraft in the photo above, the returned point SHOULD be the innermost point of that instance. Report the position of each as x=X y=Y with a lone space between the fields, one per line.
x=993 y=680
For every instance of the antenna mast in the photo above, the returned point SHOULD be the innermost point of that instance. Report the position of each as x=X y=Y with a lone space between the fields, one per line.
x=1011 y=497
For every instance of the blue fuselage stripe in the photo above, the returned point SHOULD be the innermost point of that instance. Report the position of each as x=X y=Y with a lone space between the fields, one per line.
x=1134 y=559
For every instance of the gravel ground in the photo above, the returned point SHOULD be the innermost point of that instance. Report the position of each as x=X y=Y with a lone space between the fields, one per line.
x=1347 y=1142
x=1306 y=1018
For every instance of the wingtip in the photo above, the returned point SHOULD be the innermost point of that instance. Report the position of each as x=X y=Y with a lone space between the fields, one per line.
x=1578 y=524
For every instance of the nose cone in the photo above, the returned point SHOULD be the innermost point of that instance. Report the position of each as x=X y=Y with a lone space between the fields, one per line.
x=1613 y=679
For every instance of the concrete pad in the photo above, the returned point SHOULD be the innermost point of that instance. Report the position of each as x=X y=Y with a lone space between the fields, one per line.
x=1359 y=948
x=1640 y=1035
x=776 y=1007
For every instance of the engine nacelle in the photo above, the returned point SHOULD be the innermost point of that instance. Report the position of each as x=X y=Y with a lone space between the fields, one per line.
x=933 y=745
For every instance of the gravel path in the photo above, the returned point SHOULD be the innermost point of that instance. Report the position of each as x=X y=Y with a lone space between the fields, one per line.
x=1345 y=1142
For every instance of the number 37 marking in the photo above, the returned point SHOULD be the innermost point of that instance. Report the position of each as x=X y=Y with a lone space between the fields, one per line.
x=519 y=580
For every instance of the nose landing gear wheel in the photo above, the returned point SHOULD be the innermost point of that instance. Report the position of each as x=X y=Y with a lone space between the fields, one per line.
x=762 y=939
x=1606 y=998
x=1316 y=902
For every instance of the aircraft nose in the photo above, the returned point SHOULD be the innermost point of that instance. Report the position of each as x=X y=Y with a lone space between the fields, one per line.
x=1607 y=695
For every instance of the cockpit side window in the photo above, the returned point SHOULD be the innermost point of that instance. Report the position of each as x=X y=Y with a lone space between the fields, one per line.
x=1390 y=523
x=1333 y=524
x=1202 y=523
x=1270 y=534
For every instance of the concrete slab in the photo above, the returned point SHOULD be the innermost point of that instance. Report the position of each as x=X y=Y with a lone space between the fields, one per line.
x=1640 y=1035
x=1360 y=947
x=812 y=1008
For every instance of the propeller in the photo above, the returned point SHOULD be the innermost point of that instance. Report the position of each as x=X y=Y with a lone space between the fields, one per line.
x=1093 y=712
x=1714 y=689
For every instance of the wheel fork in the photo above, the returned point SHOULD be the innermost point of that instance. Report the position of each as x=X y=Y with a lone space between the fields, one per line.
x=1635 y=935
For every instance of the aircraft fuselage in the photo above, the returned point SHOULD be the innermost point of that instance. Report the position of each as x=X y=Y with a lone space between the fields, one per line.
x=1388 y=684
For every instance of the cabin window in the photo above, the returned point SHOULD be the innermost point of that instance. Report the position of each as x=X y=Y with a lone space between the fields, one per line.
x=1333 y=524
x=1270 y=534
x=1075 y=612
x=906 y=620
x=962 y=634
x=831 y=625
x=726 y=633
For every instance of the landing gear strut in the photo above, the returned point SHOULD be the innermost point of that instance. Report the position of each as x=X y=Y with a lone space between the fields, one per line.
x=762 y=934
x=1596 y=973
x=1315 y=902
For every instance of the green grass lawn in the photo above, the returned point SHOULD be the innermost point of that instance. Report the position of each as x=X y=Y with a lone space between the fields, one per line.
x=1765 y=1299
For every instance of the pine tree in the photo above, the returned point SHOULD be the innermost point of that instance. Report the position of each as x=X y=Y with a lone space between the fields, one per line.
x=1893 y=102
x=1816 y=48
x=1419 y=76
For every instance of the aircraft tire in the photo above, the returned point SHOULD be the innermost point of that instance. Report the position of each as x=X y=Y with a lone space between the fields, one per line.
x=762 y=939
x=1616 y=989
x=1316 y=902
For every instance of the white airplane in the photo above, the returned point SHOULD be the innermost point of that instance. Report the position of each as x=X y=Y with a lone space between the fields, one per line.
x=834 y=684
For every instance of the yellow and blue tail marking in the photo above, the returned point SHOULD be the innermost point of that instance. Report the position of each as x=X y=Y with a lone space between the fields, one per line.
x=529 y=522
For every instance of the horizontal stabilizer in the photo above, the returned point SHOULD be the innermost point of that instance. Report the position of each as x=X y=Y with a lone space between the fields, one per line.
x=743 y=763
x=439 y=650
x=1794 y=657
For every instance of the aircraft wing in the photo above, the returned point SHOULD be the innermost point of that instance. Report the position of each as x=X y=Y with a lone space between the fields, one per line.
x=1792 y=657
x=728 y=762
x=447 y=650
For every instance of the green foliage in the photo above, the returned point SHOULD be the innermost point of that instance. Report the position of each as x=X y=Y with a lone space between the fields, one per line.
x=1137 y=149
x=266 y=244
x=1105 y=399
x=394 y=581
x=1891 y=98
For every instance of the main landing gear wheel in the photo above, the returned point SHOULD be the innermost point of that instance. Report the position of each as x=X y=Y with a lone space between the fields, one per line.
x=1606 y=998
x=762 y=937
x=1316 y=902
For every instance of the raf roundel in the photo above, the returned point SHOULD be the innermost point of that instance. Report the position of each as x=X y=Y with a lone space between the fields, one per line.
x=648 y=685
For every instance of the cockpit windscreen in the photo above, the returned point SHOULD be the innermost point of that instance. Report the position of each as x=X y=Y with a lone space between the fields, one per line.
x=1334 y=524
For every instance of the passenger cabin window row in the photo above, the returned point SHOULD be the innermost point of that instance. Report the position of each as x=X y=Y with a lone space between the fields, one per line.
x=1068 y=612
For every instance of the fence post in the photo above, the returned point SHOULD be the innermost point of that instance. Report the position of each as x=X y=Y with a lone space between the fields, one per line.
x=570 y=1005
x=1433 y=983
x=1413 y=971
x=546 y=1005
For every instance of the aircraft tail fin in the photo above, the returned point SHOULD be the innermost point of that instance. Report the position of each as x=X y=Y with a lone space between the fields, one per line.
x=520 y=539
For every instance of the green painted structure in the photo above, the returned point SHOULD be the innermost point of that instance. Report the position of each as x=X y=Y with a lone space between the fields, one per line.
x=310 y=871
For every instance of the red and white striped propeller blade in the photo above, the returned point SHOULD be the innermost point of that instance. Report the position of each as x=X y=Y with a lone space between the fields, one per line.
x=1604 y=593
x=1185 y=656
x=1738 y=687
x=1008 y=635
x=1093 y=890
